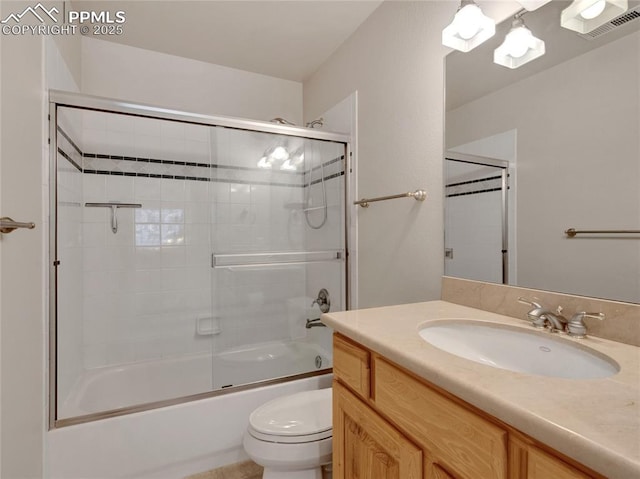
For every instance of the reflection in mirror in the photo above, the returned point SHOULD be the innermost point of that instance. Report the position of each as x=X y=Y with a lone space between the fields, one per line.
x=567 y=125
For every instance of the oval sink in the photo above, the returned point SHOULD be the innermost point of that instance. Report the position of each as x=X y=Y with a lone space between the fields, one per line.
x=517 y=349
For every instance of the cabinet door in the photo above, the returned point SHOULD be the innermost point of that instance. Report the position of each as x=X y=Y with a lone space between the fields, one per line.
x=541 y=465
x=437 y=472
x=367 y=447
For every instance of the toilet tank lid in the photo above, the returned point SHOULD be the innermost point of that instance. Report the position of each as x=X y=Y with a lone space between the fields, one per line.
x=299 y=414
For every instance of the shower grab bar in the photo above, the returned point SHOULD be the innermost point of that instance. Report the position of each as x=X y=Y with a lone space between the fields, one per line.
x=418 y=195
x=571 y=232
x=114 y=208
x=284 y=258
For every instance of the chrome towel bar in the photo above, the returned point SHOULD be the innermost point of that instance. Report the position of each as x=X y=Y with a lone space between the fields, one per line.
x=571 y=232
x=418 y=195
x=7 y=225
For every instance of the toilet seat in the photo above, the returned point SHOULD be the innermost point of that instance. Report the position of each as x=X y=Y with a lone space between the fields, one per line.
x=297 y=418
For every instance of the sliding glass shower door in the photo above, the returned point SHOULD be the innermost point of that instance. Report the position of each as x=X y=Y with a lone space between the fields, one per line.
x=187 y=257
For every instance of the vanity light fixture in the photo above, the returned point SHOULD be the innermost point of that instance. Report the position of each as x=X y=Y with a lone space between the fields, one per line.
x=584 y=16
x=469 y=28
x=519 y=46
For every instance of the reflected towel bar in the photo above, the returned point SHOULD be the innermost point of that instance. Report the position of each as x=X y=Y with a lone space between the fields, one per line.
x=114 y=208
x=571 y=232
x=418 y=195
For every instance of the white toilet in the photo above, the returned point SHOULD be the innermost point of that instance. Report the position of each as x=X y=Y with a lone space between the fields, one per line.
x=291 y=436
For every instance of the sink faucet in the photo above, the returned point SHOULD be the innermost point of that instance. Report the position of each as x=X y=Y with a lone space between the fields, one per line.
x=543 y=318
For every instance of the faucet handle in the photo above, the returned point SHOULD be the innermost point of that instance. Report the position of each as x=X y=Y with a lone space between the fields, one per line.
x=533 y=304
x=576 y=326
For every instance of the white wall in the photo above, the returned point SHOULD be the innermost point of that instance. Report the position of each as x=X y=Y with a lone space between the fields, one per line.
x=569 y=175
x=123 y=72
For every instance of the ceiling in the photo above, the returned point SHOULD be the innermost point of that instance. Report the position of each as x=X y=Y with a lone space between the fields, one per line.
x=284 y=39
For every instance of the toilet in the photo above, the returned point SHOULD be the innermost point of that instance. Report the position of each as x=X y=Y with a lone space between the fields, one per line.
x=290 y=436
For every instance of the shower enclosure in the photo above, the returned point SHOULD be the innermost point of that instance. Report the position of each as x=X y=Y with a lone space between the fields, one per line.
x=188 y=253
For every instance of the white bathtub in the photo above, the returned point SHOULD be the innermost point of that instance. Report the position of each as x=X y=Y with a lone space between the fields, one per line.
x=174 y=441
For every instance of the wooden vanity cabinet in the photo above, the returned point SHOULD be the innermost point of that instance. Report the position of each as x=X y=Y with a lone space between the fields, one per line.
x=388 y=423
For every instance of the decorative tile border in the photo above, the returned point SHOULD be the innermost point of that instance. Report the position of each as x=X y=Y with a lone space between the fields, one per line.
x=117 y=165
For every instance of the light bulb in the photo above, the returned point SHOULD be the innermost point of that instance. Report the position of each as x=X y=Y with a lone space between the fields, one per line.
x=594 y=10
x=518 y=41
x=288 y=166
x=467 y=21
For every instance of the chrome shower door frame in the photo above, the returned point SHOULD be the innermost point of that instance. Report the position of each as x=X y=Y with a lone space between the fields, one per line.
x=66 y=99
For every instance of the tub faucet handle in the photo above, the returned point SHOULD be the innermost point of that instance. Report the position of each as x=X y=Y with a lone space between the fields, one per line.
x=323 y=301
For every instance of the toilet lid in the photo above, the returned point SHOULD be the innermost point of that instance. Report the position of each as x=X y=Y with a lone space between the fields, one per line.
x=302 y=414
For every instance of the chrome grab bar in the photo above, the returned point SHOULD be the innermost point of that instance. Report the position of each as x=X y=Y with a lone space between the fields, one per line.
x=571 y=232
x=7 y=225
x=418 y=195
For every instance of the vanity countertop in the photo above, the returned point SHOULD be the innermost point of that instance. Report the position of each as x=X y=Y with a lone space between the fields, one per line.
x=594 y=421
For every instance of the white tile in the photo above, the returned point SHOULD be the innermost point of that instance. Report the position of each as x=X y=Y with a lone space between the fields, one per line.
x=148 y=258
x=173 y=257
x=172 y=190
x=197 y=234
x=239 y=193
x=146 y=189
x=172 y=129
x=197 y=212
x=93 y=234
x=197 y=132
x=221 y=192
x=197 y=191
x=149 y=213
x=148 y=281
x=94 y=187
x=120 y=188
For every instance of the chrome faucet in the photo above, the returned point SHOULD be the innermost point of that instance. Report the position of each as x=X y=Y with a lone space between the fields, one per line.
x=541 y=317
x=314 y=323
x=576 y=326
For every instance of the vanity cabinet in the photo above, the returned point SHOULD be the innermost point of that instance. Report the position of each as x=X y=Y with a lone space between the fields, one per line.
x=390 y=423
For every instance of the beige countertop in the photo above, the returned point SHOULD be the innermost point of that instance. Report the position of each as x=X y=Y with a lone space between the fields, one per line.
x=594 y=421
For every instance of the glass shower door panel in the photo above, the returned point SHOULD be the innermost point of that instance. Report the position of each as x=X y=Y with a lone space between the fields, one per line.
x=133 y=289
x=473 y=221
x=272 y=194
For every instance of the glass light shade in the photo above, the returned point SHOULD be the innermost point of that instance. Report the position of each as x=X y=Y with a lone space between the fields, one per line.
x=583 y=16
x=264 y=163
x=469 y=28
x=531 y=5
x=519 y=47
x=288 y=166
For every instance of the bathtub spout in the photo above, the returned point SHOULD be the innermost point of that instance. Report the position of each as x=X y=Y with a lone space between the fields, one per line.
x=314 y=323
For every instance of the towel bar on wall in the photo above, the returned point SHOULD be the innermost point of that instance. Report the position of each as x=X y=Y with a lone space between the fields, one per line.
x=418 y=195
x=571 y=232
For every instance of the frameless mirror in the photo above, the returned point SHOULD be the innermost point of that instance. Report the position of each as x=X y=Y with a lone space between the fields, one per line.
x=564 y=131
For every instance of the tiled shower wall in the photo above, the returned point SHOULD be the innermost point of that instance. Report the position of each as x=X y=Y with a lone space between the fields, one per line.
x=146 y=286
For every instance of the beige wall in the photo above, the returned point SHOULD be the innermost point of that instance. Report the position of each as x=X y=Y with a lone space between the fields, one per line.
x=395 y=62
x=142 y=76
x=21 y=255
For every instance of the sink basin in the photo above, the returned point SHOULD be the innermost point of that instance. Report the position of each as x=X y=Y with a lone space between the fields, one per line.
x=517 y=349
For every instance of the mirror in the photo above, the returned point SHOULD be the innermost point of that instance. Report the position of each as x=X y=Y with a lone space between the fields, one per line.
x=564 y=129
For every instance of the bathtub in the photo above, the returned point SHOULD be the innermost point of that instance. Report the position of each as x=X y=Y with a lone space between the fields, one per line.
x=174 y=441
